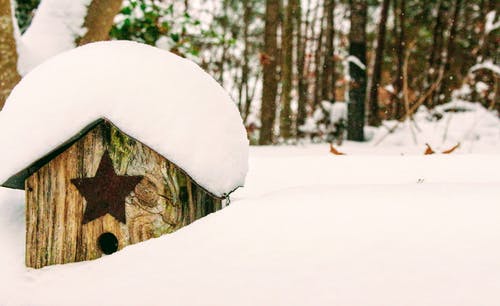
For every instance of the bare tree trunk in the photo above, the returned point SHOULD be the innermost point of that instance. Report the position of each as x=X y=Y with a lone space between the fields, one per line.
x=490 y=45
x=301 y=78
x=328 y=77
x=310 y=42
x=453 y=33
x=436 y=51
x=318 y=63
x=9 y=75
x=373 y=115
x=245 y=69
x=357 y=89
x=287 y=72
x=225 y=24
x=268 y=61
x=399 y=13
x=445 y=86
x=99 y=20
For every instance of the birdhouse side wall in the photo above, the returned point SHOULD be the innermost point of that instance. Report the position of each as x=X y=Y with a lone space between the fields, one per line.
x=165 y=200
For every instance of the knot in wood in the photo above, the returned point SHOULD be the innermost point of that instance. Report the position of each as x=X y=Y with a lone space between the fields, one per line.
x=147 y=191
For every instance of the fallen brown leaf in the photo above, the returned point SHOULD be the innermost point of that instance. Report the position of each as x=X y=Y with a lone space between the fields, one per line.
x=335 y=151
x=451 y=149
x=429 y=150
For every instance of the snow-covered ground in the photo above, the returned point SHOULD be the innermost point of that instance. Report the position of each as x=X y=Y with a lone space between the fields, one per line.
x=310 y=228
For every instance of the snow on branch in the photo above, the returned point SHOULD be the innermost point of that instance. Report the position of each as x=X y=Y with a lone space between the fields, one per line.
x=488 y=65
x=491 y=25
x=54 y=29
x=353 y=59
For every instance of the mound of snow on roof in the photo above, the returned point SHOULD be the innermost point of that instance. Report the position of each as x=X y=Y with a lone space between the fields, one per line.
x=164 y=101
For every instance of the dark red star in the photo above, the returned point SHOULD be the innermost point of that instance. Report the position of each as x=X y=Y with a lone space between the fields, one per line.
x=106 y=192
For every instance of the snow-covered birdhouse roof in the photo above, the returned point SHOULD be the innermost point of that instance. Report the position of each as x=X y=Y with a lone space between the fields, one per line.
x=166 y=102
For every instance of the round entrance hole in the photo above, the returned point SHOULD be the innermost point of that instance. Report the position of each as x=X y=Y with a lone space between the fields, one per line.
x=108 y=243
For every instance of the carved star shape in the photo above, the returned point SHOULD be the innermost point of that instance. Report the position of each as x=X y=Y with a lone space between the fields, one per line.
x=106 y=191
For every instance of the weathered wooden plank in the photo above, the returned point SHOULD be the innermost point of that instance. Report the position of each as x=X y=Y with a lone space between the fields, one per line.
x=165 y=200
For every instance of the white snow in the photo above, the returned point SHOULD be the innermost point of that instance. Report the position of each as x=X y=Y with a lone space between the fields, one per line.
x=462 y=91
x=481 y=87
x=54 y=29
x=338 y=111
x=163 y=43
x=164 y=101
x=390 y=88
x=469 y=124
x=488 y=64
x=356 y=61
x=491 y=25
x=309 y=228
x=309 y=125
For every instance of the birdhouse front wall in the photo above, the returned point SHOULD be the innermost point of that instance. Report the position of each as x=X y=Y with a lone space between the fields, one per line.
x=59 y=229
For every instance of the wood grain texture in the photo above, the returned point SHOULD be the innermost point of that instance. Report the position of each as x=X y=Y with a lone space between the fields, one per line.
x=9 y=76
x=165 y=200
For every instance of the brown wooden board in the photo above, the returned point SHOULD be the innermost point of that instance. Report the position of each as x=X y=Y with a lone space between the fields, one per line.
x=165 y=200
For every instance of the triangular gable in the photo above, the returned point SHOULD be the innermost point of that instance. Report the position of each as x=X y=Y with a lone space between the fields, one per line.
x=17 y=180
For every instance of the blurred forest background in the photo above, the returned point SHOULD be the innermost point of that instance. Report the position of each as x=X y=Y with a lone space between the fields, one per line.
x=318 y=70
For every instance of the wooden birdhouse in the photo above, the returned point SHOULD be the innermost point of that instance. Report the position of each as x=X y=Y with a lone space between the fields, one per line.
x=101 y=191
x=98 y=189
